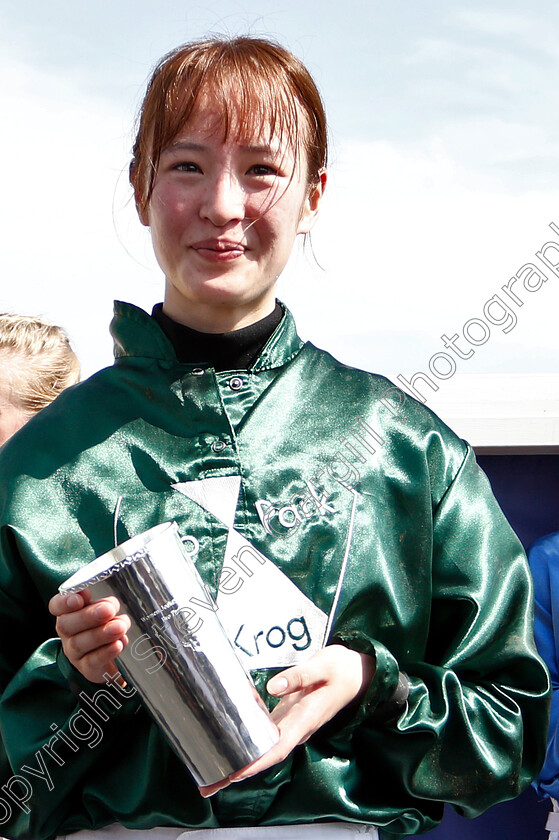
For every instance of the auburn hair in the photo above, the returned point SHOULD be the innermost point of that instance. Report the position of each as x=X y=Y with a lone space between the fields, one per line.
x=258 y=86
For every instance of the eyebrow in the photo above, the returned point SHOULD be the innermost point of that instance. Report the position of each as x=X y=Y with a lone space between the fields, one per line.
x=186 y=145
x=190 y=146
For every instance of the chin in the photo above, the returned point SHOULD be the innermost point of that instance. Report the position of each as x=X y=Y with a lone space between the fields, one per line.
x=227 y=291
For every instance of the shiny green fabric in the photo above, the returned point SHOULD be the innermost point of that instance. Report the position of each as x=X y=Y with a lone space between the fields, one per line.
x=435 y=585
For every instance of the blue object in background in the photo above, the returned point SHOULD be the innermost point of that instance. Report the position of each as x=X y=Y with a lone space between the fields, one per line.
x=527 y=488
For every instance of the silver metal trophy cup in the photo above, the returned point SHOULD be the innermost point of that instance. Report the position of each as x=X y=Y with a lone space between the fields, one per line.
x=179 y=657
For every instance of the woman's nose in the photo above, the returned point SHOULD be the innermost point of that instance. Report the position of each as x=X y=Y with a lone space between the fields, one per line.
x=223 y=201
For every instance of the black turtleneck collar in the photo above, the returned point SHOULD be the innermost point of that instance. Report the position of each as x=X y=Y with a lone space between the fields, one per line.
x=235 y=350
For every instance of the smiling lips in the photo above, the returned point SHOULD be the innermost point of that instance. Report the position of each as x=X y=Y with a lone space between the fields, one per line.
x=219 y=250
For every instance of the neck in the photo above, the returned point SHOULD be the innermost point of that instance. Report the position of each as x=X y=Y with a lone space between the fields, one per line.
x=216 y=318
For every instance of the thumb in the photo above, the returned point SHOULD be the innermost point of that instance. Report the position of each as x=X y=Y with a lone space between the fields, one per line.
x=278 y=685
x=296 y=678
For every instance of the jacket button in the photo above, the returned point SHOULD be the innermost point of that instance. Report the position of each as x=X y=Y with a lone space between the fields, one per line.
x=218 y=446
x=236 y=383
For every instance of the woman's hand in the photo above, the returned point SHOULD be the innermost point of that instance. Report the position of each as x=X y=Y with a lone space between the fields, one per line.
x=92 y=633
x=311 y=694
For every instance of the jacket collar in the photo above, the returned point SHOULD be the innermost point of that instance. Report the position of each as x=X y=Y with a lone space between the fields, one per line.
x=137 y=335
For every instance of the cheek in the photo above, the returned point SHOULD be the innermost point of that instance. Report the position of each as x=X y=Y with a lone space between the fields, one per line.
x=169 y=213
x=271 y=232
x=284 y=226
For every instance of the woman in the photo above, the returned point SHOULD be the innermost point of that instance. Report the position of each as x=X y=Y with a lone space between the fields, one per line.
x=372 y=545
x=36 y=364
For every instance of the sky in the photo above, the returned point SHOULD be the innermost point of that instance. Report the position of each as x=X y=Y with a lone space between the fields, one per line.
x=444 y=172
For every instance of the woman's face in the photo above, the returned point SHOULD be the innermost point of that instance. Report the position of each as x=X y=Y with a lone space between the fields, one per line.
x=224 y=215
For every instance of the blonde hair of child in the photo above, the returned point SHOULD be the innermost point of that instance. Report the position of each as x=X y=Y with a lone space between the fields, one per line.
x=36 y=361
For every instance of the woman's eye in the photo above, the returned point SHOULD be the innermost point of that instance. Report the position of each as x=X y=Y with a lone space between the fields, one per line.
x=262 y=169
x=187 y=166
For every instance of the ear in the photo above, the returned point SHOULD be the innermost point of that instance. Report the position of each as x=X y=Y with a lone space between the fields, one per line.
x=311 y=205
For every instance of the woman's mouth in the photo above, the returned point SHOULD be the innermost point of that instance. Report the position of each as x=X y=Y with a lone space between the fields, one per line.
x=219 y=250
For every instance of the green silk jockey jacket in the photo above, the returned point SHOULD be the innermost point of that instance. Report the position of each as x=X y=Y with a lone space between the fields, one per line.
x=321 y=505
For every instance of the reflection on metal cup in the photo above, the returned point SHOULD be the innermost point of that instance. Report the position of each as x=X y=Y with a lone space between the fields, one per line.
x=179 y=657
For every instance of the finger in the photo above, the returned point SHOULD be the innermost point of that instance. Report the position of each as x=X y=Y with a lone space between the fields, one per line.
x=278 y=753
x=274 y=756
x=278 y=685
x=299 y=715
x=96 y=664
x=297 y=678
x=209 y=790
x=90 y=616
x=330 y=664
x=60 y=604
x=78 y=645
x=293 y=729
x=284 y=707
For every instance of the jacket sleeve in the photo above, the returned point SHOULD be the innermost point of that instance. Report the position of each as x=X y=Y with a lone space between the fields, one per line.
x=472 y=732
x=544 y=563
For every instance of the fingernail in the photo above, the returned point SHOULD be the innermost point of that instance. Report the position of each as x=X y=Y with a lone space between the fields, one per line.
x=277 y=685
x=73 y=602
